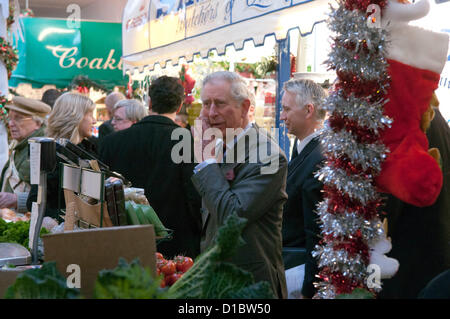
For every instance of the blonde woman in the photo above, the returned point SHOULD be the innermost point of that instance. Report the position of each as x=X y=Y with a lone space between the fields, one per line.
x=72 y=117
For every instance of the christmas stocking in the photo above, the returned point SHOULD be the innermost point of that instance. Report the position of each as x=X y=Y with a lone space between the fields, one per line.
x=416 y=58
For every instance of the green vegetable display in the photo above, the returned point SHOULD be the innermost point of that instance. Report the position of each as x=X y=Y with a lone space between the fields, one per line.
x=128 y=281
x=41 y=283
x=139 y=214
x=17 y=232
x=212 y=278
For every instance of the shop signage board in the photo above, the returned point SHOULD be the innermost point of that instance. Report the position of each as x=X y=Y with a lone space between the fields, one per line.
x=158 y=31
x=54 y=52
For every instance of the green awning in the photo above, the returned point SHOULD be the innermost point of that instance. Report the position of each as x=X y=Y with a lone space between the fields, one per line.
x=55 y=52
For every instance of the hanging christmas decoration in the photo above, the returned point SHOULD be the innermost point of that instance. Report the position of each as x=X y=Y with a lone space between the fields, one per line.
x=83 y=84
x=27 y=13
x=188 y=83
x=8 y=55
x=3 y=111
x=349 y=213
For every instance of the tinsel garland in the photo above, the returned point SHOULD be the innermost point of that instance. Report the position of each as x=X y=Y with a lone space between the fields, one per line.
x=8 y=55
x=349 y=213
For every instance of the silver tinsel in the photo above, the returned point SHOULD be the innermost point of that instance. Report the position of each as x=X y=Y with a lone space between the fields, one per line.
x=365 y=155
x=348 y=223
x=369 y=115
x=355 y=186
x=358 y=49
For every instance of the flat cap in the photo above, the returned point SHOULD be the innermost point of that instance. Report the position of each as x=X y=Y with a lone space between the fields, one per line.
x=29 y=106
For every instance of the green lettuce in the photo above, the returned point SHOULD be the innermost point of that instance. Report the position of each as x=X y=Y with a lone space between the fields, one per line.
x=41 y=283
x=211 y=277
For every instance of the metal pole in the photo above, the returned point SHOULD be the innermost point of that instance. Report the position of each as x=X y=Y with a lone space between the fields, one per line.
x=283 y=75
x=40 y=218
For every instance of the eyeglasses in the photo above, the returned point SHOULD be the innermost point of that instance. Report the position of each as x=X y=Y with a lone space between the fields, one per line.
x=118 y=119
x=18 y=119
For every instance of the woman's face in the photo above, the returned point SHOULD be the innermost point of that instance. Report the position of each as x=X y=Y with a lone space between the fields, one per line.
x=86 y=124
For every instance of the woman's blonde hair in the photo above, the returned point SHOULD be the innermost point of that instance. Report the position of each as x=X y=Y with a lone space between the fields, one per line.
x=66 y=115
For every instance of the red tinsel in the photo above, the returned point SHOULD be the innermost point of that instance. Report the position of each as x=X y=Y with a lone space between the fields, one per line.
x=362 y=134
x=359 y=87
x=354 y=245
x=342 y=284
x=339 y=203
x=363 y=4
x=343 y=162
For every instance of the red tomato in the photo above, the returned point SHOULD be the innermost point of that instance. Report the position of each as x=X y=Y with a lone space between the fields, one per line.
x=160 y=263
x=171 y=279
x=168 y=268
x=183 y=263
x=162 y=284
x=159 y=256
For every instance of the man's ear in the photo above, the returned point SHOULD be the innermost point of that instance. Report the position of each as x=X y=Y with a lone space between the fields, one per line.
x=310 y=108
x=149 y=105
x=179 y=108
x=245 y=107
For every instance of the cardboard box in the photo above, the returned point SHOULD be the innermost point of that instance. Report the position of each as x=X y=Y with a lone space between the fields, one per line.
x=100 y=248
x=7 y=278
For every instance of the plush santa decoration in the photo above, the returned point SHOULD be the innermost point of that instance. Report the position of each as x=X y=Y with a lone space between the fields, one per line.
x=416 y=58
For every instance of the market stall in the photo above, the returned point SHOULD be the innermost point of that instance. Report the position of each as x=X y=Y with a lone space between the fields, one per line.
x=53 y=53
x=158 y=34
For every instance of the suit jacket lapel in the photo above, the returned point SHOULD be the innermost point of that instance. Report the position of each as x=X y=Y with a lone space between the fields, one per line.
x=225 y=167
x=298 y=160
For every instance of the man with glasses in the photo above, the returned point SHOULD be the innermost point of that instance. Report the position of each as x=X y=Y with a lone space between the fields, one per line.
x=126 y=113
x=25 y=120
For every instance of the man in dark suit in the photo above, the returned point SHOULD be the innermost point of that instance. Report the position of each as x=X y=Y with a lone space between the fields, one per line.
x=421 y=235
x=251 y=186
x=143 y=155
x=303 y=114
x=107 y=127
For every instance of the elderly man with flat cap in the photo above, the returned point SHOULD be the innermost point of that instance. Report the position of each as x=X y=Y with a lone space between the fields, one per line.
x=26 y=118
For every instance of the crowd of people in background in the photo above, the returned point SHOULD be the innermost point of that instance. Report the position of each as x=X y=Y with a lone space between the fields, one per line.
x=194 y=197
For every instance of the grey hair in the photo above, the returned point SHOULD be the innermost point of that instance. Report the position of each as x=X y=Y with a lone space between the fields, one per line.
x=112 y=98
x=307 y=92
x=134 y=110
x=239 y=88
x=39 y=120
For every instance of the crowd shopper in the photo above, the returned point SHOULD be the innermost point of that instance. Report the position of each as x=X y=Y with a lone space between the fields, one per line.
x=303 y=114
x=25 y=120
x=146 y=161
x=50 y=96
x=193 y=191
x=126 y=113
x=110 y=101
x=228 y=187
x=71 y=118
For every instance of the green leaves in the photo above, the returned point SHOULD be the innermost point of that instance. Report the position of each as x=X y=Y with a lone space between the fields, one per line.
x=212 y=277
x=41 y=283
x=128 y=281
x=16 y=232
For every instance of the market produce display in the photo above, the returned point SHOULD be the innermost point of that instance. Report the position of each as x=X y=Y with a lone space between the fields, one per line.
x=128 y=281
x=16 y=232
x=41 y=283
x=172 y=270
x=140 y=214
x=211 y=277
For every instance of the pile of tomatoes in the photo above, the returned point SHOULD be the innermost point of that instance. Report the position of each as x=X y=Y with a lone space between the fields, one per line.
x=172 y=269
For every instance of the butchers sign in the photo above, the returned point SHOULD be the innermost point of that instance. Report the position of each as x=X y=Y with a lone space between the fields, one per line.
x=54 y=53
x=169 y=21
